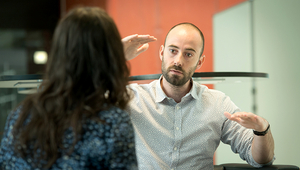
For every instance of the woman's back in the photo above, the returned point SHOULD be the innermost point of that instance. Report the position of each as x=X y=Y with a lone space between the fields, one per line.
x=75 y=120
x=108 y=145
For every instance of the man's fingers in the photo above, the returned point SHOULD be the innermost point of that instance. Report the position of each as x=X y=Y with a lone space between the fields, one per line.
x=233 y=117
x=141 y=39
x=136 y=44
x=130 y=37
x=248 y=120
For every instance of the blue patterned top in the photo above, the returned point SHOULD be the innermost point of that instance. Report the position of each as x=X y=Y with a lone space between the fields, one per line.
x=102 y=146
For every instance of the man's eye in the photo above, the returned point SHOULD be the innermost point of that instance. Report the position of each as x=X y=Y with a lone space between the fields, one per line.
x=172 y=51
x=189 y=54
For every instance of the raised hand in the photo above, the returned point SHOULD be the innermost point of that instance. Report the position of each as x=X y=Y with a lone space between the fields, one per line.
x=248 y=120
x=136 y=44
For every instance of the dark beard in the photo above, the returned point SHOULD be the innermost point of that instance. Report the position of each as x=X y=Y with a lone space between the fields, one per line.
x=175 y=79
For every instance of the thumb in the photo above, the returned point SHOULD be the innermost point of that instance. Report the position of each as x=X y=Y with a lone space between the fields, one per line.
x=227 y=114
x=143 y=48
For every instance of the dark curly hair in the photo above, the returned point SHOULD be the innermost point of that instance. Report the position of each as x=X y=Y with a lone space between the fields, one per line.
x=86 y=73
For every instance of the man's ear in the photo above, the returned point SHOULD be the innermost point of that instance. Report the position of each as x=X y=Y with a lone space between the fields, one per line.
x=200 y=62
x=161 y=52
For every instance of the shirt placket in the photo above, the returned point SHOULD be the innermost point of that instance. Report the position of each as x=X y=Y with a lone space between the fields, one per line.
x=177 y=137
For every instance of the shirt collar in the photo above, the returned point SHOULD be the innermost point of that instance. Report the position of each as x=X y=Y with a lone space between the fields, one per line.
x=160 y=94
x=193 y=90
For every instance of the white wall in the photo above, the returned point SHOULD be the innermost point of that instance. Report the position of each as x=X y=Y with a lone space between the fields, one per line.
x=233 y=52
x=276 y=51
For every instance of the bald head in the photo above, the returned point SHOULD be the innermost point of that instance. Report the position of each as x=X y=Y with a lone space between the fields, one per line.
x=187 y=27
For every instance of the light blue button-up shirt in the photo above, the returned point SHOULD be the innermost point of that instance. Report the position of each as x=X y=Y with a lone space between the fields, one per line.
x=184 y=135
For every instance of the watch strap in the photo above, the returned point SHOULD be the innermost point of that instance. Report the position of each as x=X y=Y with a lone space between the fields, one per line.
x=262 y=133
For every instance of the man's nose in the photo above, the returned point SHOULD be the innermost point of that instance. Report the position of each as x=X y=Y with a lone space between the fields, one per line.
x=178 y=60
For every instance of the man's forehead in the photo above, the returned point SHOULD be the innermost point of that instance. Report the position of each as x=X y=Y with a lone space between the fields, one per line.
x=184 y=30
x=190 y=37
x=183 y=27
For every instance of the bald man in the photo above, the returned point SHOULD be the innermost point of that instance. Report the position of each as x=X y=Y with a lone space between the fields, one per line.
x=180 y=123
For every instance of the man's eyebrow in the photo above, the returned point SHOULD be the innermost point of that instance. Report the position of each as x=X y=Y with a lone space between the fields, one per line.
x=174 y=46
x=189 y=49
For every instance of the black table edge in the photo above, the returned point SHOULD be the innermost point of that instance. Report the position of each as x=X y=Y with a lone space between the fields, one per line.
x=206 y=75
x=151 y=76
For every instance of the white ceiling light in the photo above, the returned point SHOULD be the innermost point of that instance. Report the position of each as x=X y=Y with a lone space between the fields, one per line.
x=40 y=57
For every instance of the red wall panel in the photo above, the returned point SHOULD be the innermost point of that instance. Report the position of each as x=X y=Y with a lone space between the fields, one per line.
x=69 y=4
x=224 y=4
x=156 y=17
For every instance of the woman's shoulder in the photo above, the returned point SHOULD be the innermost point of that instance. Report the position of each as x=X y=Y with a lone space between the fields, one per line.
x=112 y=120
x=114 y=114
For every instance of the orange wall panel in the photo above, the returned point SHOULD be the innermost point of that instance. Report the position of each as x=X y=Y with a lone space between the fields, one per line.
x=138 y=17
x=224 y=4
x=69 y=4
x=156 y=17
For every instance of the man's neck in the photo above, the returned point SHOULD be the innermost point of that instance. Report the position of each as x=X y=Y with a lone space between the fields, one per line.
x=175 y=92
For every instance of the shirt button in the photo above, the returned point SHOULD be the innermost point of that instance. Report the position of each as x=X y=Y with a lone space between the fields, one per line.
x=177 y=128
x=178 y=107
x=175 y=148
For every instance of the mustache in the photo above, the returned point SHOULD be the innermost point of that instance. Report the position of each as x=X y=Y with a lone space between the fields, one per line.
x=176 y=68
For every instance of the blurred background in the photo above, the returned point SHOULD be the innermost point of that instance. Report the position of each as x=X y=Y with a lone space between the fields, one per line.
x=240 y=35
x=26 y=27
